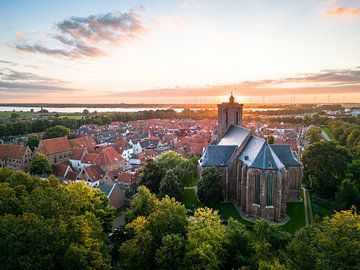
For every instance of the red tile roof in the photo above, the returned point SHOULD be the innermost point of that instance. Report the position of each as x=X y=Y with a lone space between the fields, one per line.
x=94 y=173
x=83 y=142
x=108 y=156
x=89 y=158
x=54 y=146
x=12 y=150
x=126 y=177
x=77 y=154
x=60 y=169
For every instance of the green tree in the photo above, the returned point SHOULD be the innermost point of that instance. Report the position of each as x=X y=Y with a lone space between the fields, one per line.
x=326 y=163
x=348 y=194
x=32 y=141
x=333 y=243
x=39 y=165
x=314 y=135
x=209 y=189
x=271 y=139
x=238 y=247
x=168 y=217
x=56 y=131
x=171 y=253
x=150 y=176
x=45 y=225
x=142 y=205
x=269 y=240
x=169 y=185
x=206 y=239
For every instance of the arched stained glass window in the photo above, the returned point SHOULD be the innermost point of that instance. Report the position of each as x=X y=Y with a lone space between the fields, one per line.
x=257 y=188
x=269 y=189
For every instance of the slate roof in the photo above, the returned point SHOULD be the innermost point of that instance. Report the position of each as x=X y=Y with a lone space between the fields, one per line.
x=218 y=155
x=235 y=135
x=267 y=159
x=106 y=188
x=285 y=154
x=251 y=150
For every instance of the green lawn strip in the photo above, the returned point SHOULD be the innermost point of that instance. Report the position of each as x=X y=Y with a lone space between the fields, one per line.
x=329 y=133
x=321 y=206
x=190 y=200
x=296 y=213
x=309 y=207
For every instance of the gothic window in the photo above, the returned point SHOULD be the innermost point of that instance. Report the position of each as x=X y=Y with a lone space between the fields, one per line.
x=237 y=119
x=257 y=188
x=269 y=189
x=226 y=119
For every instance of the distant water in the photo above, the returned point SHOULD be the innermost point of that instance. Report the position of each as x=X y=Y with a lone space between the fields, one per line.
x=92 y=109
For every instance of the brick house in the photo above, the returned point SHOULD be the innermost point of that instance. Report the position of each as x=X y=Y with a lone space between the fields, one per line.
x=15 y=156
x=56 y=149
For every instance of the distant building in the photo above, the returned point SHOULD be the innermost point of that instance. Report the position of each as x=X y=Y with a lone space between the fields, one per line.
x=15 y=156
x=259 y=177
x=56 y=149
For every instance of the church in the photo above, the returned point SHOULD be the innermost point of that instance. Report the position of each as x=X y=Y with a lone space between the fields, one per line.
x=260 y=178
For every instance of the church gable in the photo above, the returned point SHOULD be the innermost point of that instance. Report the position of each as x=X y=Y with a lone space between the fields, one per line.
x=285 y=154
x=267 y=159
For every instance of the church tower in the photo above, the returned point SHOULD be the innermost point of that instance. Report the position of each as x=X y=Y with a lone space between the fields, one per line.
x=229 y=113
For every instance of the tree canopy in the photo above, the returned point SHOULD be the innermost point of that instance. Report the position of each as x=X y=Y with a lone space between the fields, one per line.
x=209 y=189
x=56 y=131
x=326 y=163
x=40 y=164
x=45 y=225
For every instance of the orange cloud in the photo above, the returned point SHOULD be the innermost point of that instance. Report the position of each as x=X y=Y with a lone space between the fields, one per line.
x=343 y=11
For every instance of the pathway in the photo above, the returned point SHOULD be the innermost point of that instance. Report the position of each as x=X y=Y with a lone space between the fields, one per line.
x=325 y=135
x=307 y=207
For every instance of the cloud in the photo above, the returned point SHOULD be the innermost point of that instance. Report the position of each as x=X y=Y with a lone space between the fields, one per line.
x=21 y=36
x=324 y=82
x=342 y=11
x=26 y=82
x=80 y=37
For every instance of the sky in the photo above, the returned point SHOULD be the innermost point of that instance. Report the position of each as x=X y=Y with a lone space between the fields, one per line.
x=186 y=51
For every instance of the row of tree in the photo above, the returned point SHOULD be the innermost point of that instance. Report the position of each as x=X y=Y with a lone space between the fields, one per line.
x=160 y=235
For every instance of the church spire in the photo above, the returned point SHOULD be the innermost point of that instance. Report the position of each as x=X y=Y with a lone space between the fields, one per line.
x=231 y=99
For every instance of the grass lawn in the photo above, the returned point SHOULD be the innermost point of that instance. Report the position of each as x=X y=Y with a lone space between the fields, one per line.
x=228 y=210
x=190 y=200
x=192 y=182
x=329 y=133
x=295 y=210
x=321 y=206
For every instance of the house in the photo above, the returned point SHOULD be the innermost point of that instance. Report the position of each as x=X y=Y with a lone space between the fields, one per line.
x=109 y=159
x=114 y=193
x=56 y=149
x=76 y=158
x=15 y=156
x=92 y=175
